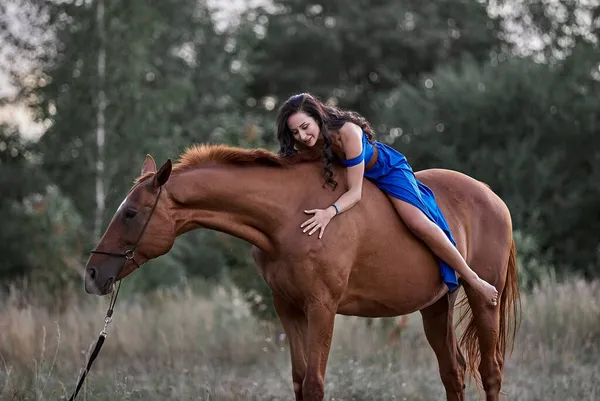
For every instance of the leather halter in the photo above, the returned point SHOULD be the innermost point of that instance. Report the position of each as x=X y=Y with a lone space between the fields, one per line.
x=129 y=254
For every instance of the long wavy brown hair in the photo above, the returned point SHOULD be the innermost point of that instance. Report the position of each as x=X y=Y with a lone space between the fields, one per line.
x=329 y=119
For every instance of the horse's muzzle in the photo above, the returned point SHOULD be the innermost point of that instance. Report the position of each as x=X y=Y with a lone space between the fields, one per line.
x=96 y=283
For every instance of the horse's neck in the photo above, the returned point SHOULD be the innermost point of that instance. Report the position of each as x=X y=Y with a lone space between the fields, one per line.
x=249 y=203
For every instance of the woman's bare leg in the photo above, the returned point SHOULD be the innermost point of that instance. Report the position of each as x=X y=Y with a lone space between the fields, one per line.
x=439 y=243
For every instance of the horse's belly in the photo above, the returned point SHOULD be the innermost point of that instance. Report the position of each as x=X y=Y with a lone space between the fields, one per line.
x=393 y=281
x=387 y=302
x=365 y=307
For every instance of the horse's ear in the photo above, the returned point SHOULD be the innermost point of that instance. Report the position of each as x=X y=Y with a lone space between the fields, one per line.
x=149 y=165
x=163 y=174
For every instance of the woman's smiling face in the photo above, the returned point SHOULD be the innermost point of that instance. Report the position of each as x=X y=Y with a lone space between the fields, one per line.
x=304 y=128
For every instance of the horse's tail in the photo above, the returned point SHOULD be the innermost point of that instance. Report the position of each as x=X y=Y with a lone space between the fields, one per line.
x=509 y=321
x=510 y=307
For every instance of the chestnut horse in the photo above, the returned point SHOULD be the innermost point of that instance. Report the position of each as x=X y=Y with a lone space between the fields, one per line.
x=367 y=263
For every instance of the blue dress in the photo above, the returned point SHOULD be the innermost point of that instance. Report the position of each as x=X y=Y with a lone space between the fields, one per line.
x=394 y=176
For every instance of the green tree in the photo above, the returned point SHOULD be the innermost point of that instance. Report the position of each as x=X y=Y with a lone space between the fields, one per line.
x=18 y=179
x=26 y=44
x=40 y=232
x=162 y=85
x=352 y=50
x=525 y=128
x=548 y=29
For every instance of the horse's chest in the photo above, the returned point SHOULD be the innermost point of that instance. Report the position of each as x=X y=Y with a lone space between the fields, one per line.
x=285 y=282
x=289 y=276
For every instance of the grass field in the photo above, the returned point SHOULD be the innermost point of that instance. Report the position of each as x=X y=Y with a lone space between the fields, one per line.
x=180 y=346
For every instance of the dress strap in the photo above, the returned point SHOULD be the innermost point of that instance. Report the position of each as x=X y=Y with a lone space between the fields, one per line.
x=361 y=157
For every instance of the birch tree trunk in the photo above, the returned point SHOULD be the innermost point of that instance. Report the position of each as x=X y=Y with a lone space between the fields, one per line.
x=101 y=126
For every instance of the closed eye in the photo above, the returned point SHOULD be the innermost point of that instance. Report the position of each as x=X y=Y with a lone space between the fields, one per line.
x=130 y=213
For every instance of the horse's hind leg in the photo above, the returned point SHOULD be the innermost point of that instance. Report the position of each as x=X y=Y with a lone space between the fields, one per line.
x=487 y=325
x=484 y=327
x=439 y=330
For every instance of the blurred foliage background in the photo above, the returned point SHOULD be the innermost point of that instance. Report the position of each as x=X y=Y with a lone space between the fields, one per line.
x=505 y=91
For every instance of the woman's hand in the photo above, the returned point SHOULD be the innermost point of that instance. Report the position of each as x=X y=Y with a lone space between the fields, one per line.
x=319 y=221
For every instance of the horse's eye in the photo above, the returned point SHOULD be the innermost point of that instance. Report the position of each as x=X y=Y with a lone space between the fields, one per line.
x=130 y=214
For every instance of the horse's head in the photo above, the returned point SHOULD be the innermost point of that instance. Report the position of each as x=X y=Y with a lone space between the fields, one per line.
x=140 y=230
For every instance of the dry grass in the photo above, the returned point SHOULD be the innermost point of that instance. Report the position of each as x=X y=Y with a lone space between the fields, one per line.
x=180 y=346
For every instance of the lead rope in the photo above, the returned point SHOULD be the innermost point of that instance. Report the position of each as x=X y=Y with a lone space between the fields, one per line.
x=99 y=343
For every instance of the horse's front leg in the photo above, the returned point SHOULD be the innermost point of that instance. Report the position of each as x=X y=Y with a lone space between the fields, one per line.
x=321 y=317
x=295 y=325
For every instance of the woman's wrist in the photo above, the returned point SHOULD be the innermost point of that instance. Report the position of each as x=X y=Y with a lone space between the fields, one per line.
x=336 y=209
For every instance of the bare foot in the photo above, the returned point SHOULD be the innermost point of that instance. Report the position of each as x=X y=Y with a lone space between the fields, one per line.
x=488 y=291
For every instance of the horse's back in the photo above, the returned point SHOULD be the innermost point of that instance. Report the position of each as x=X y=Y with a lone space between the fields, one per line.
x=475 y=213
x=479 y=219
x=457 y=192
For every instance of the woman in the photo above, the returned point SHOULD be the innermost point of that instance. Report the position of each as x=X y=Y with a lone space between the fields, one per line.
x=303 y=121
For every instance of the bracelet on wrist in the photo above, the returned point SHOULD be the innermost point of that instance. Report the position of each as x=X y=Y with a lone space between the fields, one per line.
x=337 y=210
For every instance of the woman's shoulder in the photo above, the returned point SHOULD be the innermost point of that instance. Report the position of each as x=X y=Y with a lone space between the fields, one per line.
x=349 y=126
x=348 y=131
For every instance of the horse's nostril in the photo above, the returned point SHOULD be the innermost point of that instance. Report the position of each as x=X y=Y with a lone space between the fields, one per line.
x=109 y=286
x=92 y=273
